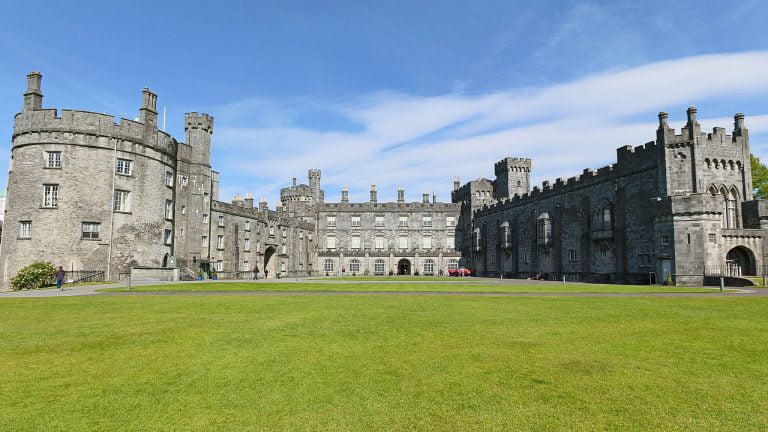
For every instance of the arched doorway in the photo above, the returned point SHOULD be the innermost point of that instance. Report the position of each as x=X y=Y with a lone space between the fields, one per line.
x=403 y=267
x=739 y=262
x=269 y=263
x=165 y=260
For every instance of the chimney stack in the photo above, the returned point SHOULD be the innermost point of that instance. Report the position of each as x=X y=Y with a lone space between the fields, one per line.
x=248 y=202
x=263 y=204
x=456 y=183
x=400 y=194
x=33 y=97
x=345 y=194
x=373 y=194
x=425 y=197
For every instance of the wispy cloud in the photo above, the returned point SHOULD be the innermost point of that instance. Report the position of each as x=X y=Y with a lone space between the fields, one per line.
x=393 y=139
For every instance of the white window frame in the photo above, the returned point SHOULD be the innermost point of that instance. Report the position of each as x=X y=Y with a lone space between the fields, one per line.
x=402 y=221
x=328 y=265
x=427 y=242
x=220 y=265
x=169 y=178
x=124 y=167
x=25 y=229
x=400 y=240
x=450 y=242
x=426 y=221
x=330 y=221
x=247 y=245
x=220 y=241
x=354 y=265
x=330 y=242
x=168 y=237
x=168 y=209
x=380 y=242
x=450 y=221
x=221 y=221
x=379 y=267
x=356 y=241
x=356 y=221
x=90 y=230
x=378 y=221
x=51 y=196
x=247 y=225
x=53 y=159
x=204 y=240
x=428 y=267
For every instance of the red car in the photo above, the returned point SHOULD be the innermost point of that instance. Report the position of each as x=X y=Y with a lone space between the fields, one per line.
x=460 y=272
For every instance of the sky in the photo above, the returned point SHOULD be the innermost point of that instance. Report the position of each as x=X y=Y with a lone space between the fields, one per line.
x=396 y=93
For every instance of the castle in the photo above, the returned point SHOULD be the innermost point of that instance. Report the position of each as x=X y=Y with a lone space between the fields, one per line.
x=86 y=192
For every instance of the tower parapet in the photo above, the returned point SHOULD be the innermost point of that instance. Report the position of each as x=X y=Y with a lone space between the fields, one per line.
x=199 y=128
x=512 y=177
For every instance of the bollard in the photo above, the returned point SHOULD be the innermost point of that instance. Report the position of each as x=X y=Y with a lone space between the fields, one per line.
x=129 y=281
x=763 y=281
x=722 y=284
x=563 y=280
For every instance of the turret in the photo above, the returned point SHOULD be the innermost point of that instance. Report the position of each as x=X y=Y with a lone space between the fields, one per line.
x=148 y=110
x=33 y=97
x=314 y=185
x=512 y=177
x=374 y=198
x=199 y=128
x=401 y=194
x=693 y=127
x=738 y=126
x=345 y=194
x=456 y=183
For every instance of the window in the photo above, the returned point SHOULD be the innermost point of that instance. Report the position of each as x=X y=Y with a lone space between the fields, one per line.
x=525 y=257
x=169 y=178
x=402 y=221
x=53 y=159
x=183 y=209
x=247 y=245
x=453 y=264
x=450 y=242
x=246 y=266
x=355 y=241
x=379 y=266
x=330 y=221
x=664 y=239
x=204 y=241
x=185 y=180
x=504 y=234
x=544 y=226
x=301 y=234
x=572 y=257
x=219 y=265
x=429 y=267
x=122 y=203
x=168 y=209
x=712 y=237
x=379 y=242
x=284 y=233
x=91 y=230
x=354 y=265
x=426 y=221
x=607 y=219
x=220 y=242
x=25 y=229
x=644 y=256
x=221 y=220
x=379 y=221
x=247 y=225
x=205 y=218
x=168 y=237
x=426 y=242
x=330 y=242
x=123 y=167
x=450 y=221
x=283 y=267
x=355 y=221
x=272 y=230
x=284 y=249
x=50 y=196
x=402 y=242
x=328 y=265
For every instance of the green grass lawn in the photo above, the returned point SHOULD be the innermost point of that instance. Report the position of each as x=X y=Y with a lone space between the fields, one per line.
x=456 y=286
x=402 y=278
x=383 y=363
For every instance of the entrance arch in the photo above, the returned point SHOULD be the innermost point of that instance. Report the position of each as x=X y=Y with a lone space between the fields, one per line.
x=740 y=262
x=269 y=263
x=403 y=267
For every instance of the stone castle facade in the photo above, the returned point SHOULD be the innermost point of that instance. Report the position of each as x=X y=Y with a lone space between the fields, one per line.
x=89 y=193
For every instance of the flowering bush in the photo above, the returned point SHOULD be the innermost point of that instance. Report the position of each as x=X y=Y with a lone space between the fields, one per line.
x=34 y=276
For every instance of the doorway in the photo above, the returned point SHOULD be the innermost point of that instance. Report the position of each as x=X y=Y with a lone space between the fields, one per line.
x=739 y=262
x=269 y=263
x=403 y=267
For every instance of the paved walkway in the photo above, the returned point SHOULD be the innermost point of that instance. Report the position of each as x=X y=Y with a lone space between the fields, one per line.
x=87 y=290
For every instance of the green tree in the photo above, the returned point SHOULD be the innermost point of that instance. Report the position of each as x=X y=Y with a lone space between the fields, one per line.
x=34 y=276
x=759 y=178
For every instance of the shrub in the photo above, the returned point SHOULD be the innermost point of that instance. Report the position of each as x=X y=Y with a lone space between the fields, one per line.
x=34 y=276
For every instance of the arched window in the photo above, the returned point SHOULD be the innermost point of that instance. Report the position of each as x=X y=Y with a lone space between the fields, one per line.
x=713 y=190
x=330 y=242
x=733 y=208
x=354 y=265
x=724 y=200
x=708 y=162
x=378 y=267
x=607 y=219
x=453 y=264
x=544 y=227
x=328 y=265
x=476 y=239
x=504 y=235
x=429 y=267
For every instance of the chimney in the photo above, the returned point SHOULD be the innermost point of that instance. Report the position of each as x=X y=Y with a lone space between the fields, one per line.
x=248 y=202
x=425 y=197
x=237 y=200
x=263 y=204
x=456 y=183
x=345 y=194
x=373 y=194
x=663 y=117
x=400 y=194
x=148 y=111
x=434 y=197
x=294 y=181
x=738 y=124
x=33 y=97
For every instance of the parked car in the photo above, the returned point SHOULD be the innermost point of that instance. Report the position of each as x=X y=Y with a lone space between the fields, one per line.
x=461 y=272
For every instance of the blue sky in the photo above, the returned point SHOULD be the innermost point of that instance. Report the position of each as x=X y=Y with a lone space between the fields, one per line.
x=396 y=93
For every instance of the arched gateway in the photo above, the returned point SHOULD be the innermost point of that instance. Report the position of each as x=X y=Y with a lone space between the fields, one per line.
x=269 y=263
x=403 y=267
x=740 y=262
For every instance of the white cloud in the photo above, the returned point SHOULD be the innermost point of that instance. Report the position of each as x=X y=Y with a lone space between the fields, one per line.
x=423 y=142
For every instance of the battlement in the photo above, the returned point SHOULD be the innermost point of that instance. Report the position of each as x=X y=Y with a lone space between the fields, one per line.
x=513 y=163
x=90 y=123
x=388 y=207
x=691 y=132
x=193 y=120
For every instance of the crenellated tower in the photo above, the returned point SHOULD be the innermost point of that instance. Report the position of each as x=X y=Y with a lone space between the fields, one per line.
x=314 y=185
x=199 y=128
x=512 y=177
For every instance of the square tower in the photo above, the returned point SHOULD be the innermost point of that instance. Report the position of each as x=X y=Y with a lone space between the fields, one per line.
x=512 y=177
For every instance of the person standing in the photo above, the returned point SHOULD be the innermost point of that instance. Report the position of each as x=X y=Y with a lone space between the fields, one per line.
x=60 y=278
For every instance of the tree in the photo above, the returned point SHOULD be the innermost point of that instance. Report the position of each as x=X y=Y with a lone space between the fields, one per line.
x=34 y=276
x=759 y=178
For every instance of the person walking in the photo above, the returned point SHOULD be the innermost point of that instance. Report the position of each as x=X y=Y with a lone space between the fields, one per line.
x=255 y=272
x=60 y=278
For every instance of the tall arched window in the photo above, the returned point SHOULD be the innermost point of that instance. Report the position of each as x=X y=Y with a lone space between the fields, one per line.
x=733 y=208
x=429 y=267
x=378 y=267
x=354 y=265
x=328 y=265
x=504 y=235
x=607 y=219
x=725 y=206
x=544 y=227
x=476 y=239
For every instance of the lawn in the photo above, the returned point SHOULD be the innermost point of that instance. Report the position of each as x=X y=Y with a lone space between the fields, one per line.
x=456 y=286
x=383 y=363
